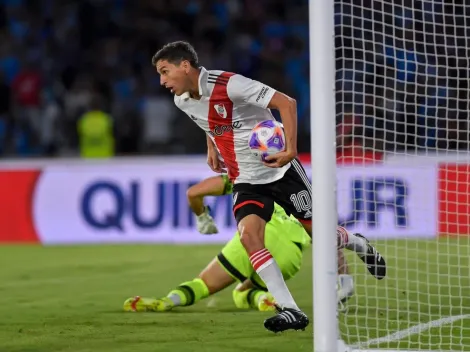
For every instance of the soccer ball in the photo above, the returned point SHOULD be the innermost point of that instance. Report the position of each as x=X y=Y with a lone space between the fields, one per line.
x=267 y=138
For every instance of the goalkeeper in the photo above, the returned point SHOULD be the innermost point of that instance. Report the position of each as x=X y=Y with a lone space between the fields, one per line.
x=285 y=238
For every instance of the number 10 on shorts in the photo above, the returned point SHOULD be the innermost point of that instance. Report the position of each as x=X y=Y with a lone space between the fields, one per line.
x=301 y=201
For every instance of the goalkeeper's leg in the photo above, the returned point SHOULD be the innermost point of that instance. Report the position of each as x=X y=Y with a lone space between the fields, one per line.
x=211 y=280
x=248 y=296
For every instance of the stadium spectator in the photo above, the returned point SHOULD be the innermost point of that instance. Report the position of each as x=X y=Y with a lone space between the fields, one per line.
x=79 y=48
x=96 y=132
x=5 y=112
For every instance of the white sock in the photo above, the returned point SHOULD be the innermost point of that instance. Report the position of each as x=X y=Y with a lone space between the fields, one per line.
x=346 y=282
x=350 y=241
x=269 y=271
x=345 y=288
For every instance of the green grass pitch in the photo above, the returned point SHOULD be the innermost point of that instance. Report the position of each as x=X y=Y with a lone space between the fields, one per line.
x=70 y=299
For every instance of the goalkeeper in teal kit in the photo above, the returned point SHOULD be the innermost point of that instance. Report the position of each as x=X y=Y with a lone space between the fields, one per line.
x=285 y=238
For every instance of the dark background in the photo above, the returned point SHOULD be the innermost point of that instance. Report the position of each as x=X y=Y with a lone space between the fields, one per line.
x=402 y=70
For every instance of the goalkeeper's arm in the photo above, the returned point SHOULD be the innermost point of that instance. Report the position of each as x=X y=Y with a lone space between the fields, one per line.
x=212 y=186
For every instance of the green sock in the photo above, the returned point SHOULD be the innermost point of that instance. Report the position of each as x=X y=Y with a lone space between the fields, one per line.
x=247 y=299
x=189 y=293
x=253 y=297
x=240 y=300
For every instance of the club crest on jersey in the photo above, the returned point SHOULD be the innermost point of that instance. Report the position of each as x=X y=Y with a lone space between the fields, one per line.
x=220 y=108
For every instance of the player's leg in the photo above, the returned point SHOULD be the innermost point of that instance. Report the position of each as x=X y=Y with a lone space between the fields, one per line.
x=343 y=267
x=345 y=284
x=296 y=183
x=251 y=228
x=367 y=252
x=234 y=259
x=252 y=213
x=285 y=239
x=286 y=242
x=211 y=280
x=212 y=186
x=295 y=196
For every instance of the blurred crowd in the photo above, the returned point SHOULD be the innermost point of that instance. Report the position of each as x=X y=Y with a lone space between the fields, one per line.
x=69 y=68
x=402 y=74
x=58 y=55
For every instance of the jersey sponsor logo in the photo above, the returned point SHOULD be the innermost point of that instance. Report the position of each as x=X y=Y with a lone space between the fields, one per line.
x=219 y=130
x=262 y=93
x=221 y=111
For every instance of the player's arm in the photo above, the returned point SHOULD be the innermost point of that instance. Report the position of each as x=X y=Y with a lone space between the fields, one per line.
x=287 y=108
x=213 y=157
x=212 y=186
x=210 y=144
x=242 y=89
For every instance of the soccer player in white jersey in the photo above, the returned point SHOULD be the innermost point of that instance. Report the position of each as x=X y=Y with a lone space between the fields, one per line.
x=227 y=106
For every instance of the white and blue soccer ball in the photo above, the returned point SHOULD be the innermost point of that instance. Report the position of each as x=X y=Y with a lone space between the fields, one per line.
x=267 y=138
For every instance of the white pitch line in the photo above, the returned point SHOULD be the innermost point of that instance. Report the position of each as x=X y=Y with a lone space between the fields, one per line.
x=416 y=329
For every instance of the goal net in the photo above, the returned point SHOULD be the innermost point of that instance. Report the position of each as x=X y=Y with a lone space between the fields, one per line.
x=403 y=127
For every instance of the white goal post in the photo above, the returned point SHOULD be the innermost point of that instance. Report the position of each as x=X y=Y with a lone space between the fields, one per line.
x=390 y=137
x=322 y=71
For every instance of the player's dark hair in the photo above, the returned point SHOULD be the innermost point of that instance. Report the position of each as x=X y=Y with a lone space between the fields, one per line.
x=175 y=53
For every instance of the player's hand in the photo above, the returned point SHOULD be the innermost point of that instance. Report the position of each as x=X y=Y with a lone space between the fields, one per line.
x=279 y=159
x=215 y=163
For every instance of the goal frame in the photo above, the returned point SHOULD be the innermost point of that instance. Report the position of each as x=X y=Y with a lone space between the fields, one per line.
x=323 y=158
x=322 y=59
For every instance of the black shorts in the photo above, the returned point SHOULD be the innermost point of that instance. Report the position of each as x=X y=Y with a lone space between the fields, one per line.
x=293 y=192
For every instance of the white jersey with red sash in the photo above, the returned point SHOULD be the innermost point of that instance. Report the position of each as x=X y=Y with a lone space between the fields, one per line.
x=230 y=106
